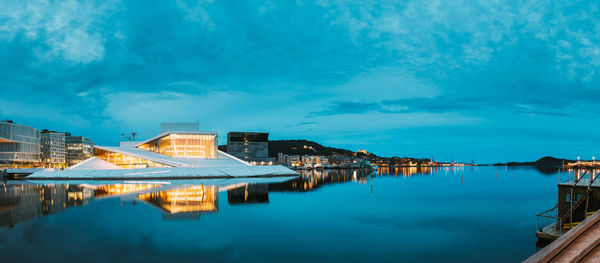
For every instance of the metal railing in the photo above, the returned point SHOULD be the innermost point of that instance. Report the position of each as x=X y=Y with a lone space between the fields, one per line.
x=546 y=218
x=551 y=216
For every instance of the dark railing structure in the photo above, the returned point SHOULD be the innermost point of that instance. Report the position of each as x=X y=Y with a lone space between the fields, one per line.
x=564 y=221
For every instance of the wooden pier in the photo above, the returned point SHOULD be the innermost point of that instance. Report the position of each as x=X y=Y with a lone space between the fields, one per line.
x=580 y=244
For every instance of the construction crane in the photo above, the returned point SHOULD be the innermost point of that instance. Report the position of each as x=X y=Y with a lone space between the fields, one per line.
x=129 y=136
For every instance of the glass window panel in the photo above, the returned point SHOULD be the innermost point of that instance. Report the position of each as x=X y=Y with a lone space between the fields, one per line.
x=184 y=145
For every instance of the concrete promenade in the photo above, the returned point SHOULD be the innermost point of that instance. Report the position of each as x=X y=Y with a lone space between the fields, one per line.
x=581 y=244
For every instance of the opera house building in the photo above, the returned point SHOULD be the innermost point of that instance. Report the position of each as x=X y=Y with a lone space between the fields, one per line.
x=172 y=154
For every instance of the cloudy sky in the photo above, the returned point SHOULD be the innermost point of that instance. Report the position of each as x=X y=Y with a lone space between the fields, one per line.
x=484 y=80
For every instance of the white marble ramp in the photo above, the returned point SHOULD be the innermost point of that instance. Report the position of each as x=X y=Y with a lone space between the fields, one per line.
x=166 y=173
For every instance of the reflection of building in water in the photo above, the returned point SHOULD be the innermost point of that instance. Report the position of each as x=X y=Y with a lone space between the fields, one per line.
x=53 y=198
x=407 y=171
x=79 y=196
x=19 y=203
x=312 y=179
x=184 y=202
x=249 y=194
x=121 y=189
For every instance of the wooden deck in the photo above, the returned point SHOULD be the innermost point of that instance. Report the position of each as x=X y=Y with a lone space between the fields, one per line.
x=581 y=244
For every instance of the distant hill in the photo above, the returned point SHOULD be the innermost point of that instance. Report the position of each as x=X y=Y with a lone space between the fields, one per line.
x=304 y=147
x=544 y=161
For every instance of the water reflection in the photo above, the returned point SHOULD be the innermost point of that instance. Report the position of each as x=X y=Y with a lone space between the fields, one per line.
x=185 y=202
x=410 y=213
x=249 y=194
x=314 y=179
x=21 y=201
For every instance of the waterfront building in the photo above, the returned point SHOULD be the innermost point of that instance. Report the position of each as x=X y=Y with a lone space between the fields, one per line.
x=172 y=154
x=53 y=149
x=79 y=148
x=289 y=160
x=169 y=149
x=19 y=145
x=249 y=146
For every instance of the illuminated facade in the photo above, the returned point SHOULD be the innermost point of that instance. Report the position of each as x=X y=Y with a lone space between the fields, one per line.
x=170 y=149
x=19 y=145
x=126 y=161
x=53 y=149
x=79 y=149
x=192 y=145
x=173 y=154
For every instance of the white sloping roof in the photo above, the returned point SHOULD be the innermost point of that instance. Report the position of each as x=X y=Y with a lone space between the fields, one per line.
x=94 y=163
x=223 y=159
x=167 y=173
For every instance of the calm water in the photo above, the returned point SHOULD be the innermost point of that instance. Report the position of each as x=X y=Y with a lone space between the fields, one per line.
x=409 y=215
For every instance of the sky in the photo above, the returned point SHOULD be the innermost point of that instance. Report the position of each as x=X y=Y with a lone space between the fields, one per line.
x=485 y=80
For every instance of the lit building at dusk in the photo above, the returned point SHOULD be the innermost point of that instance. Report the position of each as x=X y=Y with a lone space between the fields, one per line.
x=169 y=154
x=79 y=148
x=249 y=146
x=19 y=145
x=53 y=149
x=169 y=149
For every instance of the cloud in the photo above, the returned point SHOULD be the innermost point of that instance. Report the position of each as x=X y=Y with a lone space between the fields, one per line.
x=70 y=30
x=467 y=105
x=429 y=63
x=305 y=123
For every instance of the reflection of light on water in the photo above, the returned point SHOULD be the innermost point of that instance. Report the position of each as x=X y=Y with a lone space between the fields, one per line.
x=197 y=198
x=120 y=189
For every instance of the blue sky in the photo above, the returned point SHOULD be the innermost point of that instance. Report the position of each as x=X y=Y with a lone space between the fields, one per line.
x=484 y=80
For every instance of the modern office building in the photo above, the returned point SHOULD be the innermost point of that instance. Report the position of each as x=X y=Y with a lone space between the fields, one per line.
x=19 y=145
x=79 y=149
x=249 y=146
x=53 y=149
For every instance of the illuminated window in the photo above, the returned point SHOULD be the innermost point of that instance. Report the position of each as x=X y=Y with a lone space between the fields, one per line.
x=125 y=161
x=184 y=145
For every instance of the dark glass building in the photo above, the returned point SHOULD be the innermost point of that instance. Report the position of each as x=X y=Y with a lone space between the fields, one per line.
x=79 y=149
x=249 y=146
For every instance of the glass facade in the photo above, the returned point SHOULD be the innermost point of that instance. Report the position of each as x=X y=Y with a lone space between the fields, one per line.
x=248 y=137
x=19 y=143
x=79 y=149
x=53 y=149
x=125 y=161
x=184 y=145
x=249 y=146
